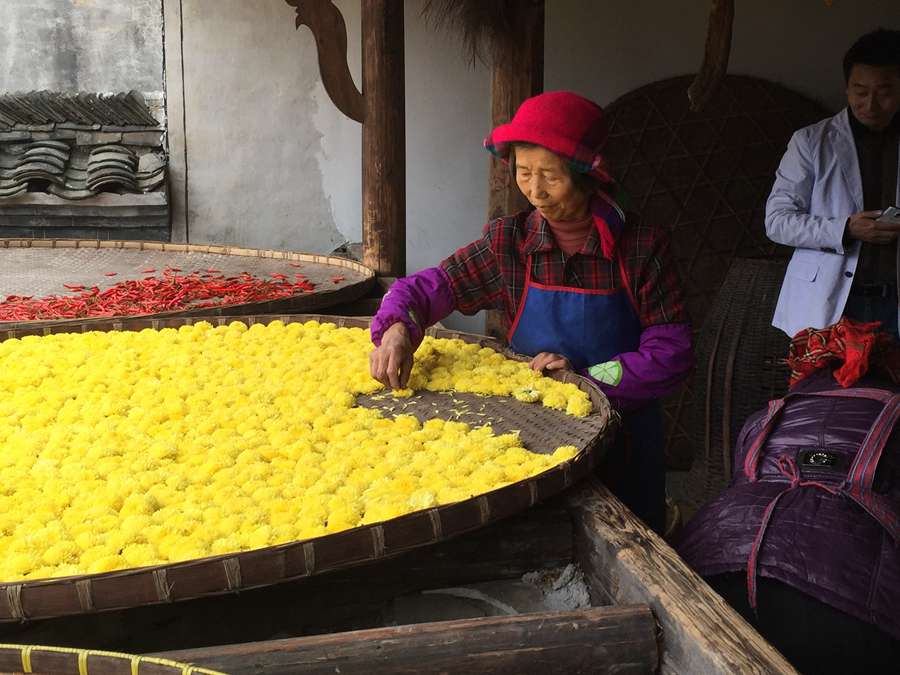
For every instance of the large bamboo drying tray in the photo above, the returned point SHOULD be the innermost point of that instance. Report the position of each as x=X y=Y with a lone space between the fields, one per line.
x=542 y=429
x=41 y=267
x=65 y=661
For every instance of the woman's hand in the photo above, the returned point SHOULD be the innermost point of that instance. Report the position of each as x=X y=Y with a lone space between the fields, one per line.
x=550 y=361
x=391 y=363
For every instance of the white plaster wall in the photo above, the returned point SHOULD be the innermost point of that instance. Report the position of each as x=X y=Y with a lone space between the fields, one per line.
x=604 y=49
x=252 y=146
x=267 y=159
x=248 y=54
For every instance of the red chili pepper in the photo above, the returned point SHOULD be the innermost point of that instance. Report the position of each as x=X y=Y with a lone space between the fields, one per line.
x=151 y=295
x=148 y=271
x=110 y=274
x=337 y=279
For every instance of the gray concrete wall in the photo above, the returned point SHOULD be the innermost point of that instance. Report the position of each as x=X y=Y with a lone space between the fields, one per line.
x=81 y=45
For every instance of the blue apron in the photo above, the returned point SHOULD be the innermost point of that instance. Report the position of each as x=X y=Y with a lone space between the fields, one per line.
x=588 y=327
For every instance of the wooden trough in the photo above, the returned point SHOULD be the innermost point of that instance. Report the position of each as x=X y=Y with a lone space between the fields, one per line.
x=650 y=613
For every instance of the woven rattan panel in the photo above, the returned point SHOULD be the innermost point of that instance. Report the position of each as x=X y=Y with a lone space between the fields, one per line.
x=706 y=175
x=740 y=358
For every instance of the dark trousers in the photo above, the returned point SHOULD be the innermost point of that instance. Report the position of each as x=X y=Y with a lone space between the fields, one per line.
x=816 y=638
x=635 y=467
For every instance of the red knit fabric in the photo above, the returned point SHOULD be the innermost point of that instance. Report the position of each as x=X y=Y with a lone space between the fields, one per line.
x=860 y=346
x=570 y=235
x=568 y=124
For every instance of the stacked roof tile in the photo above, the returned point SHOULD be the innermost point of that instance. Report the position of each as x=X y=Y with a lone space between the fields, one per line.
x=46 y=107
x=76 y=145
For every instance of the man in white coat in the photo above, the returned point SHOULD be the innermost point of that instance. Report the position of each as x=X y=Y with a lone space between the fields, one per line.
x=833 y=183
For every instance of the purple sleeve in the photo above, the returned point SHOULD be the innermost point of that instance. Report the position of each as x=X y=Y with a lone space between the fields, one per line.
x=417 y=301
x=662 y=361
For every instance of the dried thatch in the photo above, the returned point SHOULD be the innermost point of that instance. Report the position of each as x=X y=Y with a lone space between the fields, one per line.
x=484 y=25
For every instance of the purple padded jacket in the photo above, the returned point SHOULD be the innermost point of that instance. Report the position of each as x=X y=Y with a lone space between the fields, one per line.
x=814 y=501
x=656 y=369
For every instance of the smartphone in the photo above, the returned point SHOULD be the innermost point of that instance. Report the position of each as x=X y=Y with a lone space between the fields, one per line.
x=890 y=215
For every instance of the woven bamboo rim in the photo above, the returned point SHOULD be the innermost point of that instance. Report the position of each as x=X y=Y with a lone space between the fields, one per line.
x=215 y=575
x=66 y=661
x=315 y=300
x=290 y=561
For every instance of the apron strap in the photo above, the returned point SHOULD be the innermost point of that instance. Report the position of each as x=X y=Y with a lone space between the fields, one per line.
x=521 y=307
x=861 y=478
x=862 y=471
x=776 y=406
x=788 y=468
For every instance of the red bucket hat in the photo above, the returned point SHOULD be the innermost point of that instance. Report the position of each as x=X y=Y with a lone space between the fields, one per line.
x=568 y=124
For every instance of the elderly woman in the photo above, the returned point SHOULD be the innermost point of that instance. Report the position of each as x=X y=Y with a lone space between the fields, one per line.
x=580 y=284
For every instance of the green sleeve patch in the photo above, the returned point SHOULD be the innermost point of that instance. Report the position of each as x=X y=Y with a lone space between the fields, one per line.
x=608 y=373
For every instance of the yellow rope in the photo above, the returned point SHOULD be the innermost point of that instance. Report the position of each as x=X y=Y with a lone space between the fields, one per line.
x=26 y=650
x=26 y=659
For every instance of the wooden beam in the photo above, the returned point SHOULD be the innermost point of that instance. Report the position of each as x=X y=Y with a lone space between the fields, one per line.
x=715 y=55
x=330 y=32
x=384 y=138
x=625 y=562
x=517 y=73
x=594 y=640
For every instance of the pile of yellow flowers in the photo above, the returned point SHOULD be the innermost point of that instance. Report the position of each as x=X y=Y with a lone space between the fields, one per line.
x=126 y=449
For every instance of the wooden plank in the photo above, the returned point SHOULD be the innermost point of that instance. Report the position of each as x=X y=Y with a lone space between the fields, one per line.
x=593 y=640
x=517 y=73
x=624 y=561
x=384 y=138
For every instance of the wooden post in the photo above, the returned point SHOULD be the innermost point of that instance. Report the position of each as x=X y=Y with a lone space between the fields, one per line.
x=381 y=109
x=517 y=74
x=593 y=640
x=384 y=138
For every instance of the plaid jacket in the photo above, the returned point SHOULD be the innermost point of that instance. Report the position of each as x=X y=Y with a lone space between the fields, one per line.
x=490 y=273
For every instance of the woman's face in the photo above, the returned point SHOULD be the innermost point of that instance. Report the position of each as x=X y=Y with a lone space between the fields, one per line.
x=546 y=182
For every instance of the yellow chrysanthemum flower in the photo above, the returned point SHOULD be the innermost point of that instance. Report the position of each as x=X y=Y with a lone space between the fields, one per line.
x=127 y=449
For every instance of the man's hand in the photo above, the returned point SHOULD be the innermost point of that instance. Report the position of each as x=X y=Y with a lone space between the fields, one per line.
x=392 y=362
x=865 y=227
x=550 y=361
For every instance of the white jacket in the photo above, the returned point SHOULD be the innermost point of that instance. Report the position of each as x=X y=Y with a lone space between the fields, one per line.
x=817 y=188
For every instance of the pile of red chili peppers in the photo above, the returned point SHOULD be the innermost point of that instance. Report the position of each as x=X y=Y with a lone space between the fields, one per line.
x=170 y=292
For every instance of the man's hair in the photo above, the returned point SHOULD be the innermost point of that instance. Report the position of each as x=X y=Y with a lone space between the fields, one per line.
x=881 y=47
